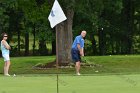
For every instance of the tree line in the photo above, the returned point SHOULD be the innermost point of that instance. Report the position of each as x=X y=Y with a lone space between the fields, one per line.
x=113 y=26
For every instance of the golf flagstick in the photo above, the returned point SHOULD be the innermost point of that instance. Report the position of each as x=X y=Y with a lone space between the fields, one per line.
x=56 y=16
x=57 y=65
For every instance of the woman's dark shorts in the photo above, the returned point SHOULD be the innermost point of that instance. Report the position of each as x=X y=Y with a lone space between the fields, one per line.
x=75 y=55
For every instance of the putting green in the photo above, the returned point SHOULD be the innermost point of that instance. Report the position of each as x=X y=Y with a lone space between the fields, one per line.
x=71 y=84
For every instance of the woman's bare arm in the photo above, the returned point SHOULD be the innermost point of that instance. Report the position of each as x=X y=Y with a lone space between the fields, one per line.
x=6 y=45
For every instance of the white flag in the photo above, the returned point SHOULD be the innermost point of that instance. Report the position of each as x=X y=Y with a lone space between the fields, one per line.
x=56 y=15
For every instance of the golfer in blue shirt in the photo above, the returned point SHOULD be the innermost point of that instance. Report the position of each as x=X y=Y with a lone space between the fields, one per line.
x=78 y=50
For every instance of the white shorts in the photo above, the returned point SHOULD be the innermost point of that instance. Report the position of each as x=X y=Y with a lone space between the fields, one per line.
x=6 y=57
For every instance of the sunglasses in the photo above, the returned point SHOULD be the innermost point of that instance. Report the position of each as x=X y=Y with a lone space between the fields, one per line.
x=5 y=36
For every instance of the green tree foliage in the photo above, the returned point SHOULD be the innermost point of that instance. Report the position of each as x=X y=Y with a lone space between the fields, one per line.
x=113 y=26
x=107 y=14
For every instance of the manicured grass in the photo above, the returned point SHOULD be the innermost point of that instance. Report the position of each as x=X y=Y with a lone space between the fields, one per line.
x=24 y=65
x=100 y=84
x=70 y=84
x=21 y=84
x=117 y=74
x=117 y=64
x=108 y=65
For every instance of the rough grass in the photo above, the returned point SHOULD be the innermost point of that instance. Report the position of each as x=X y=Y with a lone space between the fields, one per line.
x=108 y=65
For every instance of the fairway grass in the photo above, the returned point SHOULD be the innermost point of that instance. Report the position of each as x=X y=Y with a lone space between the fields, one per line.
x=27 y=85
x=70 y=84
x=116 y=74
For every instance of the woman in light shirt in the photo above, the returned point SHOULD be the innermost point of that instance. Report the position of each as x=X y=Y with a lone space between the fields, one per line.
x=5 y=48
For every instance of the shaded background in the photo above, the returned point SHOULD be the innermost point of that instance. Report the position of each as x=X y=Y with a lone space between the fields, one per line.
x=113 y=27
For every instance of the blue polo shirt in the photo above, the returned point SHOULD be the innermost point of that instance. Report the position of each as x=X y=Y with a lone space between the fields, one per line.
x=78 y=40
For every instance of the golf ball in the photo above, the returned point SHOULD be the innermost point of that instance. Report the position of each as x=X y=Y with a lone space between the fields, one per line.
x=14 y=75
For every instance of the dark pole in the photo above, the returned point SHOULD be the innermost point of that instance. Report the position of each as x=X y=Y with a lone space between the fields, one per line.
x=57 y=65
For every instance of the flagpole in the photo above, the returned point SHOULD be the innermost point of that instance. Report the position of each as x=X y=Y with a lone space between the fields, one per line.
x=57 y=65
x=56 y=18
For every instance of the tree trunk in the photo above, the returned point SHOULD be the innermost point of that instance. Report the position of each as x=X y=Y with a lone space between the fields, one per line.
x=118 y=47
x=128 y=22
x=54 y=47
x=64 y=38
x=1 y=28
x=18 y=39
x=34 y=35
x=54 y=44
x=26 y=43
x=94 y=48
x=101 y=42
x=42 y=47
x=131 y=27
